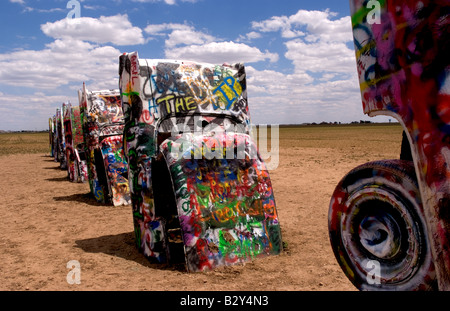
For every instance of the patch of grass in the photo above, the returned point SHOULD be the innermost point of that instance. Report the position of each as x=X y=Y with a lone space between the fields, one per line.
x=23 y=143
x=365 y=138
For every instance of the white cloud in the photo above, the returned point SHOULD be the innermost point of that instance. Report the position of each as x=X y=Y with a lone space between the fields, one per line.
x=249 y=36
x=220 y=52
x=30 y=9
x=55 y=73
x=278 y=98
x=275 y=83
x=179 y=34
x=17 y=1
x=38 y=101
x=62 y=62
x=321 y=56
x=253 y=35
x=278 y=23
x=30 y=111
x=116 y=29
x=93 y=7
x=161 y=29
x=315 y=41
x=187 y=37
x=183 y=41
x=319 y=26
x=58 y=71
x=315 y=25
x=323 y=83
x=273 y=24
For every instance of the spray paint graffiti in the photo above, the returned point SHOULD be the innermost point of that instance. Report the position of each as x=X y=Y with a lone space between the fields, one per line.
x=55 y=138
x=51 y=136
x=200 y=191
x=78 y=143
x=117 y=169
x=60 y=139
x=70 y=154
x=225 y=205
x=76 y=162
x=103 y=127
x=404 y=72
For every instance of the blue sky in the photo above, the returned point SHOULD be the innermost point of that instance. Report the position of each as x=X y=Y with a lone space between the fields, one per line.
x=298 y=54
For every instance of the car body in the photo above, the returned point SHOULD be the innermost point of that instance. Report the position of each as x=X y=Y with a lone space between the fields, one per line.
x=201 y=194
x=102 y=128
x=389 y=220
x=74 y=145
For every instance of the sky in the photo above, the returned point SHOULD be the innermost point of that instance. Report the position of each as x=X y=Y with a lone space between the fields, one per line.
x=298 y=54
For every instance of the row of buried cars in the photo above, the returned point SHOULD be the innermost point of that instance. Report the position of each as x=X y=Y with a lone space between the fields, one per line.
x=86 y=140
x=174 y=142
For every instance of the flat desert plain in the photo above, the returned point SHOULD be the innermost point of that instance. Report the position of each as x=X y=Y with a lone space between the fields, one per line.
x=47 y=221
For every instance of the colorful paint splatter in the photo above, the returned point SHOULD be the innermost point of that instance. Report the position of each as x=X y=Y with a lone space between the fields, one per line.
x=404 y=71
x=76 y=163
x=60 y=139
x=51 y=136
x=199 y=188
x=103 y=127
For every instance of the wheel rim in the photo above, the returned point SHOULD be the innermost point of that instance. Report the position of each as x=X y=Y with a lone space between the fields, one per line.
x=380 y=235
x=379 y=228
x=377 y=225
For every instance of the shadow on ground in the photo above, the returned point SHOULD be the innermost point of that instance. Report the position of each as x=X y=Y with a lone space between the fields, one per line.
x=58 y=179
x=123 y=246
x=87 y=198
x=54 y=168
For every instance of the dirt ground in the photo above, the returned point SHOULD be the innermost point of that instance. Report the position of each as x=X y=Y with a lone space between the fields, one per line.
x=46 y=221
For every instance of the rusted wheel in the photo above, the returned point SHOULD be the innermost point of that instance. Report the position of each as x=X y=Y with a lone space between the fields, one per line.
x=377 y=228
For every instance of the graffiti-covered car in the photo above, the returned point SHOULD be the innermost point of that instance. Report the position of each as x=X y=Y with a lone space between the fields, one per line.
x=74 y=144
x=103 y=129
x=60 y=144
x=389 y=220
x=51 y=136
x=54 y=138
x=201 y=194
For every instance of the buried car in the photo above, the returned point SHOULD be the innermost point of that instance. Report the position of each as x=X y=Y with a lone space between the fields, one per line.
x=102 y=129
x=74 y=147
x=201 y=194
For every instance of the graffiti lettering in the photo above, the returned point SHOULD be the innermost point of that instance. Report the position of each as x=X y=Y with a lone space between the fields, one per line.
x=402 y=57
x=134 y=69
x=103 y=134
x=230 y=91
x=176 y=104
x=197 y=125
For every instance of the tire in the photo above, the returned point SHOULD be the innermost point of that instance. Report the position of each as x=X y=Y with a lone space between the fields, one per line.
x=377 y=228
